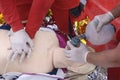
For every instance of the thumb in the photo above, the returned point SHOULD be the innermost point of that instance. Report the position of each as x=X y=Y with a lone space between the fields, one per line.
x=99 y=27
x=67 y=53
x=82 y=45
x=30 y=43
x=70 y=45
x=99 y=23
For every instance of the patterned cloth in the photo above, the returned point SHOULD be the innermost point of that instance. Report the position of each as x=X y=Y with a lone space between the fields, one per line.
x=25 y=76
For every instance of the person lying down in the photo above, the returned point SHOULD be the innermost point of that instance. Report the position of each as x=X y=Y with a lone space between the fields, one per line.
x=46 y=56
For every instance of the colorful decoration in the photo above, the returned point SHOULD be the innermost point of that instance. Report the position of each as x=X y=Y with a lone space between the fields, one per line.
x=79 y=28
x=49 y=12
x=2 y=21
x=48 y=20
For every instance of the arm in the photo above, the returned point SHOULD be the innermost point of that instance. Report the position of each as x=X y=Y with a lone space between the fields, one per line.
x=106 y=18
x=108 y=58
x=20 y=41
x=11 y=15
x=41 y=54
x=116 y=11
x=37 y=13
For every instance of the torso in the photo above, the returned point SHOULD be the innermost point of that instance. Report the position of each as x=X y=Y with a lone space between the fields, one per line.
x=41 y=57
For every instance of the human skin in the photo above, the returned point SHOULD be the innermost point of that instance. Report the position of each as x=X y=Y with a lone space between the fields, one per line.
x=46 y=55
x=116 y=11
x=107 y=58
x=38 y=62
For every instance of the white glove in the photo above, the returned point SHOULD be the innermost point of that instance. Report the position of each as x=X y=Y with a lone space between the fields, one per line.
x=103 y=19
x=77 y=54
x=21 y=44
x=99 y=38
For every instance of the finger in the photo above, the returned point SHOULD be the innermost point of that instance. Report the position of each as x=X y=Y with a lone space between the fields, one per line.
x=67 y=47
x=67 y=54
x=22 y=57
x=9 y=48
x=15 y=54
x=99 y=27
x=29 y=53
x=83 y=46
x=26 y=50
x=30 y=43
x=70 y=59
x=70 y=45
x=19 y=51
x=10 y=55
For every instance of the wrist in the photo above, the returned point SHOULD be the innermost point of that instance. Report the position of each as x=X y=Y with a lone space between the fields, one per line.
x=110 y=16
x=91 y=57
x=16 y=26
x=31 y=33
x=116 y=11
x=86 y=55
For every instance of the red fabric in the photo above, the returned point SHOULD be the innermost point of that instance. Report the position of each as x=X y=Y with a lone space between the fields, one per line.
x=37 y=13
x=15 y=11
x=11 y=14
x=23 y=7
x=118 y=35
x=65 y=4
x=61 y=20
x=57 y=6
x=97 y=7
x=114 y=74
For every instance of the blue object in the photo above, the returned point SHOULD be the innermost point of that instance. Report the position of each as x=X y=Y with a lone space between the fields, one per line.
x=5 y=27
x=53 y=72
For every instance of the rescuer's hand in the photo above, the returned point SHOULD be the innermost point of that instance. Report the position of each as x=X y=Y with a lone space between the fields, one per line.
x=77 y=54
x=21 y=44
x=103 y=19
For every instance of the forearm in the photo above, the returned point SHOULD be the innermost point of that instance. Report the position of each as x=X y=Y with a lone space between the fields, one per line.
x=108 y=58
x=11 y=15
x=116 y=11
x=37 y=13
